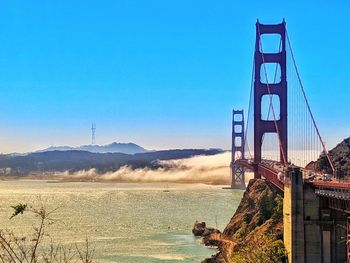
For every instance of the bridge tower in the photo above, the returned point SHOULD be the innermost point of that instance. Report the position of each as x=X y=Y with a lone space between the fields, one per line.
x=237 y=170
x=265 y=87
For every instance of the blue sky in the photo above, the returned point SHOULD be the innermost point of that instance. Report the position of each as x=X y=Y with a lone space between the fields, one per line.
x=163 y=74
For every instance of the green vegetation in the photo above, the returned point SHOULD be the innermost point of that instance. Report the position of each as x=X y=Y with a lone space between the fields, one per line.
x=242 y=232
x=30 y=249
x=265 y=250
x=265 y=208
x=268 y=209
x=277 y=211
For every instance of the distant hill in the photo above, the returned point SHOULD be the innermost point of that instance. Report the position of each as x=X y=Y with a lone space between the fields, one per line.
x=340 y=156
x=58 y=161
x=128 y=148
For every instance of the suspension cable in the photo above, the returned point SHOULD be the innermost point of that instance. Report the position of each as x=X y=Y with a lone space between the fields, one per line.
x=308 y=106
x=271 y=103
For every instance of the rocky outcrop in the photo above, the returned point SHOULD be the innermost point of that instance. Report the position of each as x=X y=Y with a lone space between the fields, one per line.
x=258 y=218
x=200 y=229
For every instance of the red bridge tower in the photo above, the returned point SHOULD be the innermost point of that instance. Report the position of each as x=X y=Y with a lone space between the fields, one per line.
x=264 y=86
x=238 y=141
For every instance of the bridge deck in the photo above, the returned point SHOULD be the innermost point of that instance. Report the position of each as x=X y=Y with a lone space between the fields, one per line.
x=269 y=172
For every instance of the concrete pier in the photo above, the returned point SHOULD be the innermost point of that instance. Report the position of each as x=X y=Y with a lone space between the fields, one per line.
x=313 y=231
x=293 y=216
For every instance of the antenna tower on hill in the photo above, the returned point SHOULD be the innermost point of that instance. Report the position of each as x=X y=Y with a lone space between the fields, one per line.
x=93 y=131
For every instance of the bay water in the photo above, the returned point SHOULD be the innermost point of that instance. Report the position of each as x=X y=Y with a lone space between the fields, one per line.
x=124 y=222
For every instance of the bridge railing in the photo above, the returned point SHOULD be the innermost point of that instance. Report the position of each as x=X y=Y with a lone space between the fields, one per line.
x=342 y=194
x=271 y=175
x=332 y=184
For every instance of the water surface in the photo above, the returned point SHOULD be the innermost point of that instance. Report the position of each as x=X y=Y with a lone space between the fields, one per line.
x=124 y=222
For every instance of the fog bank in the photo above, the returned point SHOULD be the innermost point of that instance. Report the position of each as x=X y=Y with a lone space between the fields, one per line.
x=213 y=169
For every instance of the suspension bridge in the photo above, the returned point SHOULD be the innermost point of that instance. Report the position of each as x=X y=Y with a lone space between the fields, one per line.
x=279 y=140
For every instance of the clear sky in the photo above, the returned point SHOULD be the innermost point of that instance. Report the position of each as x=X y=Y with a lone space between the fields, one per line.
x=163 y=74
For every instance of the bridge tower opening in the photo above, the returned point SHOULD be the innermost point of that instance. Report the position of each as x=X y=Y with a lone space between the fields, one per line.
x=264 y=86
x=238 y=141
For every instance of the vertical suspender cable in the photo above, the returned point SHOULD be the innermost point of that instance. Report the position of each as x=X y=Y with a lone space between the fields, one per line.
x=309 y=109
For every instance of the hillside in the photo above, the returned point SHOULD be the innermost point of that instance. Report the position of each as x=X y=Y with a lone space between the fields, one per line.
x=56 y=161
x=340 y=156
x=255 y=232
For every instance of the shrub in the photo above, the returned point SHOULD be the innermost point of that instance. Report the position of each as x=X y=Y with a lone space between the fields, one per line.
x=263 y=249
x=248 y=218
x=29 y=249
x=265 y=208
x=277 y=211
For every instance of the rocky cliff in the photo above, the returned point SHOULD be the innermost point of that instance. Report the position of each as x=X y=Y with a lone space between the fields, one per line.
x=255 y=232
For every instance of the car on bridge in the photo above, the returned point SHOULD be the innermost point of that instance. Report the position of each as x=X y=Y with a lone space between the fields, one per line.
x=327 y=177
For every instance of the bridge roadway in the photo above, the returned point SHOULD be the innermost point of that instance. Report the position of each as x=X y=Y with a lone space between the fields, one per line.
x=273 y=172
x=266 y=171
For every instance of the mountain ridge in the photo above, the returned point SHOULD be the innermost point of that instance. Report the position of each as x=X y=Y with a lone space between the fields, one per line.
x=114 y=147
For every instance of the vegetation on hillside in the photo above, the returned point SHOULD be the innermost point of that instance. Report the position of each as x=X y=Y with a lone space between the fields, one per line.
x=265 y=250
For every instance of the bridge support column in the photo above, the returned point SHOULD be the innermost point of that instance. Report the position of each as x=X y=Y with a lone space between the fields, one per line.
x=293 y=216
x=237 y=171
x=348 y=240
